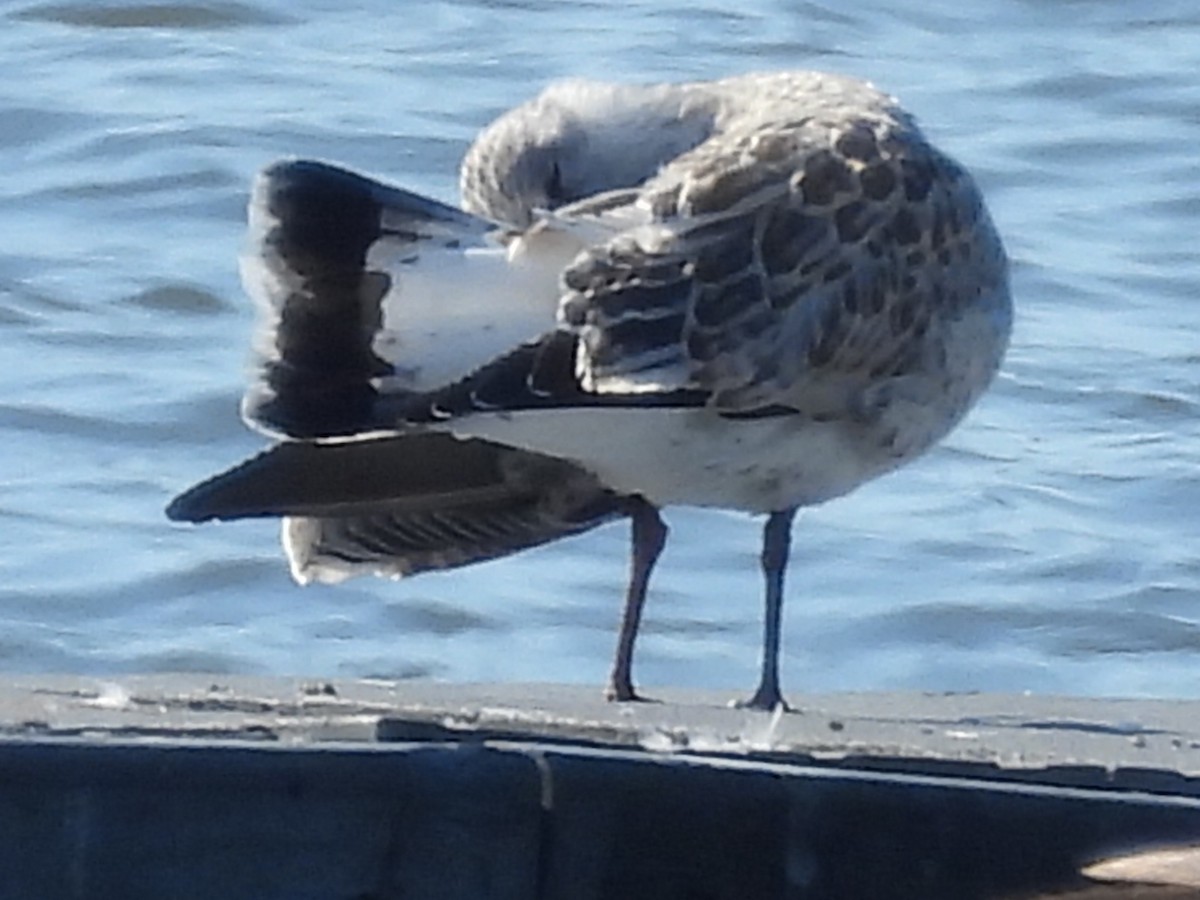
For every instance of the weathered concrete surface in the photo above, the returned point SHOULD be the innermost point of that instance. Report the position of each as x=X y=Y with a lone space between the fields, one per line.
x=183 y=787
x=949 y=732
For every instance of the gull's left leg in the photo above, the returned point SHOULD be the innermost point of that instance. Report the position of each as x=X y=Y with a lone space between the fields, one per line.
x=777 y=541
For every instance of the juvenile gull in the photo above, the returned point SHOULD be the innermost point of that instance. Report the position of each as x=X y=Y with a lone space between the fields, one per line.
x=755 y=294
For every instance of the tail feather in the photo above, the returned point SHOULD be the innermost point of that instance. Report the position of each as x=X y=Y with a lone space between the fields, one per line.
x=401 y=505
x=312 y=230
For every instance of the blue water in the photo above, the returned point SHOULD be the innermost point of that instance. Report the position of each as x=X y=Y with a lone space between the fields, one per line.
x=1050 y=545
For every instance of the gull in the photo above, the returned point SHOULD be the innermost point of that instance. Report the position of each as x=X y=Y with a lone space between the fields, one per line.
x=755 y=293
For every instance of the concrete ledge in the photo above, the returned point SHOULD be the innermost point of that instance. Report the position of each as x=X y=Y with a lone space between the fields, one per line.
x=176 y=787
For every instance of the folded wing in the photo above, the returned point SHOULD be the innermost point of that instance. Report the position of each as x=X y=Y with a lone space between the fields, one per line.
x=782 y=271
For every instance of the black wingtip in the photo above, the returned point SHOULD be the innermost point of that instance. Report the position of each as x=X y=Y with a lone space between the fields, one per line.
x=210 y=499
x=303 y=478
x=264 y=485
x=186 y=508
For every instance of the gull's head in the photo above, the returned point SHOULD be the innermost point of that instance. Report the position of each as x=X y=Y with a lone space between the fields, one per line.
x=577 y=139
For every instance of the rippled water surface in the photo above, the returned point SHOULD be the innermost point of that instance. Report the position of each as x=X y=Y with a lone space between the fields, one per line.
x=1049 y=545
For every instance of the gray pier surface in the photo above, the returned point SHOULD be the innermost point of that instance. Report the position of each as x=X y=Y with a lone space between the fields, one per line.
x=222 y=787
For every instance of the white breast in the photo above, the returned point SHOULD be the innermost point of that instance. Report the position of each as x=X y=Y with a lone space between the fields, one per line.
x=694 y=457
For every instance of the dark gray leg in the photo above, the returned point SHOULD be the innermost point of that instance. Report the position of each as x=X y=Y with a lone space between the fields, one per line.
x=649 y=534
x=777 y=541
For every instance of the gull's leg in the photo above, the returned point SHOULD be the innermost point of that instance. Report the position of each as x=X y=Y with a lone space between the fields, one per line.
x=777 y=541
x=649 y=534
